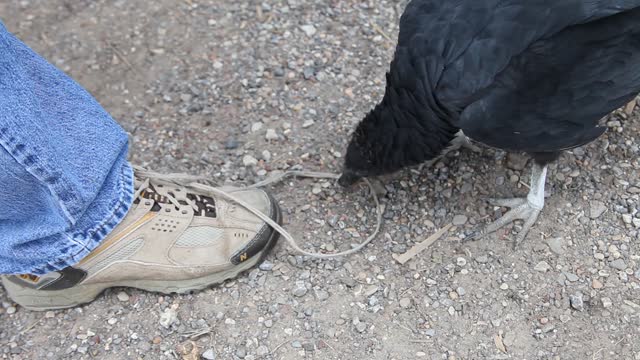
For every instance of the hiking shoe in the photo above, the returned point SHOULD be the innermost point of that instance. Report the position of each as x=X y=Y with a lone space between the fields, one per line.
x=177 y=237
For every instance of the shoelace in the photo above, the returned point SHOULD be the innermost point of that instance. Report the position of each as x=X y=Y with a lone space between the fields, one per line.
x=191 y=181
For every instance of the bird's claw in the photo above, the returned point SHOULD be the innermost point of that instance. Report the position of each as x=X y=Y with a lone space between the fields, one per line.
x=521 y=209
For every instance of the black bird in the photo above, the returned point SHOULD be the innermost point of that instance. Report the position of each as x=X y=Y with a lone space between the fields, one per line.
x=532 y=76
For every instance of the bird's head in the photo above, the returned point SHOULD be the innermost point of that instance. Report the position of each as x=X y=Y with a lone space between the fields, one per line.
x=392 y=137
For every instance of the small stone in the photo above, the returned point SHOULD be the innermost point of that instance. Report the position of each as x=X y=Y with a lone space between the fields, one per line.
x=459 y=220
x=599 y=256
x=361 y=327
x=50 y=315
x=571 y=277
x=229 y=321
x=596 y=209
x=618 y=264
x=504 y=286
x=266 y=265
x=308 y=72
x=112 y=321
x=321 y=295
x=461 y=291
x=516 y=161
x=257 y=126
x=266 y=155
x=168 y=318
x=307 y=123
x=268 y=323
x=596 y=284
x=210 y=354
x=231 y=144
x=555 y=245
x=482 y=259
x=606 y=302
x=461 y=261
x=309 y=30
x=271 y=135
x=627 y=218
x=123 y=296
x=249 y=160
x=421 y=354
x=371 y=290
x=11 y=310
x=542 y=266
x=299 y=289
x=405 y=303
x=262 y=350
x=576 y=301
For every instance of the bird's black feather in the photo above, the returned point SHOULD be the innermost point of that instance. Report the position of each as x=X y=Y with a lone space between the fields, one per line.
x=530 y=75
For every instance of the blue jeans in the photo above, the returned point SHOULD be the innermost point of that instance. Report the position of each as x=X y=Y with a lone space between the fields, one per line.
x=65 y=182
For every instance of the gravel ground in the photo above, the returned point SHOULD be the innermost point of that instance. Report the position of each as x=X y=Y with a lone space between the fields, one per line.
x=237 y=90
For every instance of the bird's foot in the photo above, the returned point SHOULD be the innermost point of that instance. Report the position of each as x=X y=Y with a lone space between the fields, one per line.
x=521 y=209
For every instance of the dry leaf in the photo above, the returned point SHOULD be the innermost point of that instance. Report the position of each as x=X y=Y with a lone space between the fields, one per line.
x=499 y=344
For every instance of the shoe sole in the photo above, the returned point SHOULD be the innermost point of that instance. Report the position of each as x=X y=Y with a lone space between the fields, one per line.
x=39 y=300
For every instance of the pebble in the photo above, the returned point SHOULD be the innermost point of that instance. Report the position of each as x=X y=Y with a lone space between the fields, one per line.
x=307 y=123
x=596 y=209
x=257 y=126
x=271 y=135
x=231 y=144
x=168 y=318
x=321 y=295
x=229 y=321
x=504 y=286
x=596 y=284
x=482 y=259
x=262 y=350
x=309 y=30
x=459 y=220
x=266 y=155
x=555 y=245
x=299 y=289
x=405 y=303
x=361 y=327
x=517 y=161
x=577 y=301
x=542 y=266
x=266 y=265
x=606 y=302
x=571 y=277
x=209 y=354
x=618 y=264
x=11 y=310
x=460 y=261
x=123 y=296
x=249 y=160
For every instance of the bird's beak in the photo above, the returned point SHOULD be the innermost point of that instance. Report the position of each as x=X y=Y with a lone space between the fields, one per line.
x=348 y=178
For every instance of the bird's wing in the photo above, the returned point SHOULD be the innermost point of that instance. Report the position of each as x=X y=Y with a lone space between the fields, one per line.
x=551 y=96
x=467 y=43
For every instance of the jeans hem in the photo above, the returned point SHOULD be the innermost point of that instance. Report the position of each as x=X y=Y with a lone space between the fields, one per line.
x=82 y=243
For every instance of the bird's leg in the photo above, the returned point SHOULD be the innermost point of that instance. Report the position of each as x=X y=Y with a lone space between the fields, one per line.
x=526 y=209
x=461 y=141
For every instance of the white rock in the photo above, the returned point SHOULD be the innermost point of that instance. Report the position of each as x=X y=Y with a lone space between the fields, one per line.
x=271 y=135
x=309 y=30
x=168 y=318
x=542 y=266
x=249 y=160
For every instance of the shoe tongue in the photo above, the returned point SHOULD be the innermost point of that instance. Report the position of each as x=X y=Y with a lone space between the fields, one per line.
x=206 y=205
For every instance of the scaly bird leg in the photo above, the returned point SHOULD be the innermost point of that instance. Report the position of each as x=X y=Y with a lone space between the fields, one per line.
x=526 y=209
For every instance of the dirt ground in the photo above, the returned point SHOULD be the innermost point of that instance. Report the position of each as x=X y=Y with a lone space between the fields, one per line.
x=212 y=87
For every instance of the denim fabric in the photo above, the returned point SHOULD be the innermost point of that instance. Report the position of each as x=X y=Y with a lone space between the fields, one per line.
x=64 y=178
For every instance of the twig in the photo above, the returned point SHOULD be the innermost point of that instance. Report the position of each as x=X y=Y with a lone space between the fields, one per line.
x=278 y=347
x=381 y=32
x=32 y=325
x=421 y=246
x=121 y=56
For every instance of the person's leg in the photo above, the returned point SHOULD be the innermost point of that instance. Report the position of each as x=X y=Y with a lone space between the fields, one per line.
x=69 y=211
x=65 y=181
